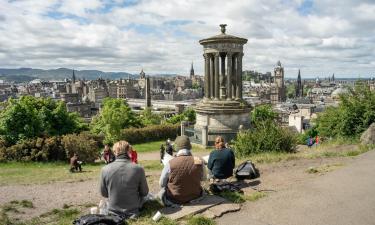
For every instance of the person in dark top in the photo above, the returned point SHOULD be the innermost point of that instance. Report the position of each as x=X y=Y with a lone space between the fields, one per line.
x=169 y=148
x=108 y=155
x=75 y=165
x=221 y=161
x=162 y=152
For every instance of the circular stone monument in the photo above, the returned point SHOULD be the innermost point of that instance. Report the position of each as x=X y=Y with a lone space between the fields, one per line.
x=222 y=110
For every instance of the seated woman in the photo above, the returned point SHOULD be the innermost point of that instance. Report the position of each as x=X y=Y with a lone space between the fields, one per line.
x=221 y=161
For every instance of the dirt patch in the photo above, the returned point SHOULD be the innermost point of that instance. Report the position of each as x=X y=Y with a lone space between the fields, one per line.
x=274 y=177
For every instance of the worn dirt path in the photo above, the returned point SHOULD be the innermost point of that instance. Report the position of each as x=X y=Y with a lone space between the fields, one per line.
x=343 y=197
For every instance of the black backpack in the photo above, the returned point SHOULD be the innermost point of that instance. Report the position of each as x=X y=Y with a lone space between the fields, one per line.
x=247 y=170
x=97 y=219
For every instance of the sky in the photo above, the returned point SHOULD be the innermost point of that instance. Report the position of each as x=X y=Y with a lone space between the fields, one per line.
x=320 y=37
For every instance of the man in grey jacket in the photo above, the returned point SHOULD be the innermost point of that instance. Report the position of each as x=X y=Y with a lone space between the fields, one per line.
x=123 y=183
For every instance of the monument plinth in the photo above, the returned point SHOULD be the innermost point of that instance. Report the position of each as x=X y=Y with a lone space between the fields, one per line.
x=222 y=110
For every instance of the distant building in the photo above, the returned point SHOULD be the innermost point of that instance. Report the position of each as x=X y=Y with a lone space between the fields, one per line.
x=278 y=87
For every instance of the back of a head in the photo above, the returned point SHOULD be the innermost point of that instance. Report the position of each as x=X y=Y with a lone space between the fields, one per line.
x=219 y=142
x=121 y=147
x=182 y=142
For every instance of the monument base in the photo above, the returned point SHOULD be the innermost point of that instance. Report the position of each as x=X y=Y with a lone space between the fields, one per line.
x=220 y=118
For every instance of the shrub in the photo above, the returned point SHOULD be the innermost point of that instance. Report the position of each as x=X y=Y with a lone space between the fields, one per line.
x=83 y=144
x=267 y=136
x=150 y=133
x=355 y=113
x=37 y=149
x=30 y=117
x=188 y=115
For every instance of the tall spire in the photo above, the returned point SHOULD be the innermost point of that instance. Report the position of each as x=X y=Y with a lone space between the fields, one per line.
x=191 y=70
x=299 y=87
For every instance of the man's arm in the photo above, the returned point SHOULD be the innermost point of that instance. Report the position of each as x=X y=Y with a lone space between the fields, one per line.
x=233 y=159
x=164 y=176
x=143 y=187
x=103 y=185
x=210 y=163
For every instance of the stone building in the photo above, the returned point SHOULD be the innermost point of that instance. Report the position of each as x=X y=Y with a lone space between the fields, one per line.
x=222 y=110
x=278 y=88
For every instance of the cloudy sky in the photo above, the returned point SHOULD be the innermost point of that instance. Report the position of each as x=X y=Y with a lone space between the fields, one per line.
x=320 y=37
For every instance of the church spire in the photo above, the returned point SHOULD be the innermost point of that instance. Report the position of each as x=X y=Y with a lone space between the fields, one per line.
x=192 y=70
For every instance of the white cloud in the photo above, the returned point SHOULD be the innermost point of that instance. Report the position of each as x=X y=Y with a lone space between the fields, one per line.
x=162 y=35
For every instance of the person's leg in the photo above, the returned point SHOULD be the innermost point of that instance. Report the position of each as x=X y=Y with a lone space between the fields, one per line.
x=80 y=167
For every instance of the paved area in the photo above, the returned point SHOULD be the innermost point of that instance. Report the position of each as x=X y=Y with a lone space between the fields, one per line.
x=342 y=197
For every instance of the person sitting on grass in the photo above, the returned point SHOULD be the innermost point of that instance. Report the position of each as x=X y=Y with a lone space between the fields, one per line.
x=221 y=161
x=123 y=183
x=181 y=176
x=75 y=164
x=108 y=155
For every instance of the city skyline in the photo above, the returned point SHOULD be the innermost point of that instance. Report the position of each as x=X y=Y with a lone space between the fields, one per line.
x=320 y=38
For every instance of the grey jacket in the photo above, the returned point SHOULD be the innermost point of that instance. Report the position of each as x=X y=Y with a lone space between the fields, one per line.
x=124 y=184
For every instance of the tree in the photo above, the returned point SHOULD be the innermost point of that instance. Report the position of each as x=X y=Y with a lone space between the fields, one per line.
x=355 y=113
x=187 y=115
x=30 y=117
x=263 y=113
x=114 y=116
x=150 y=118
x=265 y=135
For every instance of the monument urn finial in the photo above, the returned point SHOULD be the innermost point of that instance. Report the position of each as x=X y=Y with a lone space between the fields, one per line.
x=223 y=29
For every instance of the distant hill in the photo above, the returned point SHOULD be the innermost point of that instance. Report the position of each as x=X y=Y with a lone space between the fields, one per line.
x=27 y=74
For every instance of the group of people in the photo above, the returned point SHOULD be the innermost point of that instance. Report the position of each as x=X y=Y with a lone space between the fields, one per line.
x=124 y=182
x=108 y=156
x=311 y=141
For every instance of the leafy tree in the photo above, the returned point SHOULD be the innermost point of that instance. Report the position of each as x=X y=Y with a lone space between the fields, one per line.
x=114 y=116
x=30 y=117
x=187 y=115
x=263 y=113
x=150 y=118
x=266 y=136
x=355 y=113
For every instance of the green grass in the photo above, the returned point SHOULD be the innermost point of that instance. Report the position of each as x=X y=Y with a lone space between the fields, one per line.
x=236 y=197
x=148 y=147
x=41 y=173
x=155 y=147
x=324 y=168
x=323 y=151
x=200 y=220
x=150 y=165
x=255 y=196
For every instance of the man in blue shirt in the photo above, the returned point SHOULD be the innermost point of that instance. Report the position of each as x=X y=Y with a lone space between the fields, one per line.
x=221 y=161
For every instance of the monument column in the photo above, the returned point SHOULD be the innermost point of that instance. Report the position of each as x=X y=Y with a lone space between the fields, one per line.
x=212 y=76
x=229 y=76
x=217 y=81
x=239 y=76
x=206 y=76
x=222 y=78
x=234 y=76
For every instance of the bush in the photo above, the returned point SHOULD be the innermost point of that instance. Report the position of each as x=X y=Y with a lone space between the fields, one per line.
x=38 y=149
x=150 y=133
x=83 y=144
x=267 y=136
x=355 y=113
x=188 y=115
x=30 y=117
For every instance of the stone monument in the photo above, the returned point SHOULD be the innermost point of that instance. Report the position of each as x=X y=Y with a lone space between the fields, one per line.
x=222 y=110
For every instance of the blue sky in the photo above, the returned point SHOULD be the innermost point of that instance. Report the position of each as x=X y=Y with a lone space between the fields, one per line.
x=161 y=36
